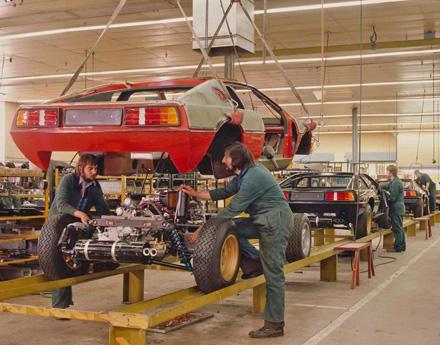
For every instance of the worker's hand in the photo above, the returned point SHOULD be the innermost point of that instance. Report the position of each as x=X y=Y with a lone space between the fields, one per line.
x=188 y=190
x=196 y=233
x=83 y=216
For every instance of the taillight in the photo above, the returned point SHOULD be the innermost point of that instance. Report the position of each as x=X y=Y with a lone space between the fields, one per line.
x=339 y=196
x=410 y=193
x=161 y=116
x=437 y=192
x=37 y=117
x=286 y=195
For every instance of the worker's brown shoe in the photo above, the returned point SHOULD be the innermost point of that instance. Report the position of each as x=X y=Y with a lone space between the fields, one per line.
x=264 y=332
x=269 y=330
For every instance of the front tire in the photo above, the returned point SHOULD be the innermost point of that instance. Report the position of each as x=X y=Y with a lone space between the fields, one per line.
x=300 y=242
x=53 y=262
x=216 y=255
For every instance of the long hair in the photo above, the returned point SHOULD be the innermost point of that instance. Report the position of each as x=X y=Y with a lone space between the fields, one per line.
x=241 y=156
x=85 y=159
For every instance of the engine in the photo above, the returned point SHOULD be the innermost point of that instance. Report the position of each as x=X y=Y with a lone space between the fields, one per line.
x=145 y=229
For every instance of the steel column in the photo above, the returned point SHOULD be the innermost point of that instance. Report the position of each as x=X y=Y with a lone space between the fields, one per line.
x=133 y=289
x=355 y=141
x=259 y=298
x=229 y=66
x=126 y=336
x=329 y=268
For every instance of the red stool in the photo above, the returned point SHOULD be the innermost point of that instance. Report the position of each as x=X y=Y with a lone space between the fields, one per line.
x=427 y=221
x=356 y=248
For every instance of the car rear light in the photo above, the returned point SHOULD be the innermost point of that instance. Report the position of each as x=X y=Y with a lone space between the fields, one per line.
x=339 y=196
x=37 y=117
x=159 y=116
x=286 y=195
x=410 y=193
x=437 y=192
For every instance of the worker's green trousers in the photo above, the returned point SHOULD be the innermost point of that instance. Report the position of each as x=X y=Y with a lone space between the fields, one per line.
x=62 y=298
x=432 y=199
x=398 y=232
x=273 y=244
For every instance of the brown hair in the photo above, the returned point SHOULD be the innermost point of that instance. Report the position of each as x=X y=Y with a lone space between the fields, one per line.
x=392 y=169
x=241 y=156
x=417 y=171
x=85 y=159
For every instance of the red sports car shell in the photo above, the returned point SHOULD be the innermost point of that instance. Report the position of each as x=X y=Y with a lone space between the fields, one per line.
x=188 y=132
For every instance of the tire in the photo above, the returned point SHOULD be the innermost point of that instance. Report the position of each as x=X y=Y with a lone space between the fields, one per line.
x=52 y=261
x=426 y=209
x=364 y=223
x=300 y=242
x=418 y=209
x=216 y=255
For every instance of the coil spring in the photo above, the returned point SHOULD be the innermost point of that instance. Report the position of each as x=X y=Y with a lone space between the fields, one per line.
x=181 y=249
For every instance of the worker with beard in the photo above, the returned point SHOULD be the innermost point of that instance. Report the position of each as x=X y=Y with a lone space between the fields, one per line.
x=77 y=193
x=270 y=220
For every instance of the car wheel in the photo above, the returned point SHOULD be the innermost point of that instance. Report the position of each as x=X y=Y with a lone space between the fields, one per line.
x=418 y=209
x=426 y=209
x=216 y=255
x=300 y=242
x=364 y=223
x=53 y=262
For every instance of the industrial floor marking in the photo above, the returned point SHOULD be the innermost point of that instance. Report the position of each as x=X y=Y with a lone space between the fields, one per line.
x=317 y=338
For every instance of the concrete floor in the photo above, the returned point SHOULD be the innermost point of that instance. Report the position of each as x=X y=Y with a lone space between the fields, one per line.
x=401 y=305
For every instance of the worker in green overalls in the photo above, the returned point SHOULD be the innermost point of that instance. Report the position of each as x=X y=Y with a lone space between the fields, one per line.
x=76 y=195
x=258 y=194
x=397 y=208
x=429 y=185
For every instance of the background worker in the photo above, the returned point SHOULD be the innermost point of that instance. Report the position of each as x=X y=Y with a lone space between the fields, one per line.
x=77 y=193
x=429 y=185
x=397 y=208
x=258 y=194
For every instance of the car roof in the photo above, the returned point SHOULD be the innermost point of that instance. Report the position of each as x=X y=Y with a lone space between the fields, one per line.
x=115 y=87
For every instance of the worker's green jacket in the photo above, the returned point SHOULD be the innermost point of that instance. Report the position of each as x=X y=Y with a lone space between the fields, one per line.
x=425 y=179
x=256 y=193
x=68 y=196
x=395 y=187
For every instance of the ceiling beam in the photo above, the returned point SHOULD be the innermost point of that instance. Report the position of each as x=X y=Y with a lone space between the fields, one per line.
x=349 y=47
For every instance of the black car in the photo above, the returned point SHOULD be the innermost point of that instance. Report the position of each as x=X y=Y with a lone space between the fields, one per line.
x=342 y=200
x=416 y=199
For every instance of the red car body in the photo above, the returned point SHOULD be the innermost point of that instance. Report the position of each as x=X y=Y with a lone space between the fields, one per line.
x=184 y=134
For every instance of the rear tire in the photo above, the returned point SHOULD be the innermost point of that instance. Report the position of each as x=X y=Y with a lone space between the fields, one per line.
x=216 y=255
x=418 y=209
x=300 y=242
x=53 y=262
x=426 y=209
x=364 y=223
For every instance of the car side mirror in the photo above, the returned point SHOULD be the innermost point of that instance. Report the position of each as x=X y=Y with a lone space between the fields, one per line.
x=43 y=184
x=269 y=153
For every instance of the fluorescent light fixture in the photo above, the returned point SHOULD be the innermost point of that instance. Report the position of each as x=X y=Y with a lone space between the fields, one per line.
x=155 y=70
x=363 y=101
x=386 y=124
x=382 y=131
x=326 y=6
x=345 y=86
x=178 y=20
x=372 y=115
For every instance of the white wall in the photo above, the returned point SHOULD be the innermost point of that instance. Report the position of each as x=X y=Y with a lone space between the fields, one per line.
x=428 y=144
x=340 y=144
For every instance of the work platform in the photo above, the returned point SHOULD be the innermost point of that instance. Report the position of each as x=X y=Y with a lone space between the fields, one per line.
x=128 y=324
